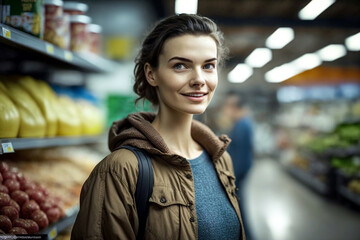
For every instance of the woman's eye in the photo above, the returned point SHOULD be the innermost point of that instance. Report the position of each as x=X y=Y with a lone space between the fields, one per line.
x=179 y=66
x=209 y=66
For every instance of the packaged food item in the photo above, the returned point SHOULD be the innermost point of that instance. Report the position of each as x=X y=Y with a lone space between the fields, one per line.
x=95 y=38
x=69 y=119
x=26 y=15
x=92 y=120
x=32 y=122
x=39 y=91
x=75 y=8
x=53 y=9
x=9 y=116
x=78 y=33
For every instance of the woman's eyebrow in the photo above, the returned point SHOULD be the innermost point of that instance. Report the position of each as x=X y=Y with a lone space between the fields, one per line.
x=188 y=60
x=180 y=58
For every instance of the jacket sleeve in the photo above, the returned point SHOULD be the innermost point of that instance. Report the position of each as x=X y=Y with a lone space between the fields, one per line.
x=107 y=209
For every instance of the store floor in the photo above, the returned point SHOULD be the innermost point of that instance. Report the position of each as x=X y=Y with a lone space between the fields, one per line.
x=281 y=208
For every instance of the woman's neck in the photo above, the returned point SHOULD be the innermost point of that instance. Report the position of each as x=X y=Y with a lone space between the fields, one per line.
x=175 y=129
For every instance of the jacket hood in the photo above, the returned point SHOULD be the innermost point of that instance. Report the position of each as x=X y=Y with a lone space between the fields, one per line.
x=136 y=130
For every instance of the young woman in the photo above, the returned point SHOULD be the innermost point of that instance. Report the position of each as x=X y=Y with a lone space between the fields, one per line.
x=194 y=186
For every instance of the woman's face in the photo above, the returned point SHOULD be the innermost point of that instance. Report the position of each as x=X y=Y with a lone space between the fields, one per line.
x=187 y=76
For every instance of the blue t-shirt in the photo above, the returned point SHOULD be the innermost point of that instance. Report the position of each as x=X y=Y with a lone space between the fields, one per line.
x=217 y=218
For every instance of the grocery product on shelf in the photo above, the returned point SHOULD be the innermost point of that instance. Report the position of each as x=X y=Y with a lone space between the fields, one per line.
x=75 y=8
x=78 y=33
x=95 y=38
x=43 y=96
x=26 y=205
x=32 y=122
x=57 y=24
x=69 y=118
x=26 y=16
x=9 y=116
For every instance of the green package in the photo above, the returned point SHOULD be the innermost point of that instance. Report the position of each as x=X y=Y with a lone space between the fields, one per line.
x=26 y=15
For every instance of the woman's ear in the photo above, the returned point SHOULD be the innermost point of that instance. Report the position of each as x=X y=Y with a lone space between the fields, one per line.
x=150 y=75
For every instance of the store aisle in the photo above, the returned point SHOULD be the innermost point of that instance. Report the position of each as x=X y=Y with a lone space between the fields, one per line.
x=281 y=208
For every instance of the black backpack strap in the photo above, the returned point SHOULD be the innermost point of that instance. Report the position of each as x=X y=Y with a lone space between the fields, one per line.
x=144 y=187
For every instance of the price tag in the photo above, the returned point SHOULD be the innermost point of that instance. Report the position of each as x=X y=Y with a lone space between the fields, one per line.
x=7 y=147
x=6 y=33
x=53 y=233
x=68 y=56
x=49 y=48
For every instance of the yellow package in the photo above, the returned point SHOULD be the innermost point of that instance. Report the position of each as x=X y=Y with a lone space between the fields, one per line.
x=69 y=120
x=32 y=122
x=41 y=93
x=92 y=119
x=9 y=116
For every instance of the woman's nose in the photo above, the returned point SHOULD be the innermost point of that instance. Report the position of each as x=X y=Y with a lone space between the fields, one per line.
x=198 y=78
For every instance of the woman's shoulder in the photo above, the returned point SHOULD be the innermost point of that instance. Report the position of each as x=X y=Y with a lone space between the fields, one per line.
x=120 y=162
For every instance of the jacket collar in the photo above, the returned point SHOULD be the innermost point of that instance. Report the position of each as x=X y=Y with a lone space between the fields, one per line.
x=136 y=130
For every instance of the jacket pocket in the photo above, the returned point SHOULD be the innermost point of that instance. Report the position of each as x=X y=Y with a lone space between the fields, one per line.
x=165 y=213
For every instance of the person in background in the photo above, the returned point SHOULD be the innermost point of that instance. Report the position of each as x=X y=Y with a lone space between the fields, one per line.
x=240 y=148
x=193 y=193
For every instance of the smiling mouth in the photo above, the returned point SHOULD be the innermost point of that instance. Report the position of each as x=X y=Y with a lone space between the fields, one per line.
x=194 y=94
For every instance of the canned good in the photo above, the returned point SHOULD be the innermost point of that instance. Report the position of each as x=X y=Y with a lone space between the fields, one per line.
x=57 y=31
x=95 y=38
x=78 y=33
x=75 y=8
x=53 y=9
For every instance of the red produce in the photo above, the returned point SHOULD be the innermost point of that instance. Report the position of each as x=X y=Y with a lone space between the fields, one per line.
x=43 y=189
x=1 y=178
x=17 y=230
x=28 y=208
x=4 y=199
x=10 y=211
x=47 y=204
x=40 y=218
x=14 y=204
x=4 y=167
x=20 y=197
x=53 y=214
x=27 y=184
x=29 y=225
x=12 y=184
x=36 y=195
x=9 y=175
x=4 y=189
x=5 y=223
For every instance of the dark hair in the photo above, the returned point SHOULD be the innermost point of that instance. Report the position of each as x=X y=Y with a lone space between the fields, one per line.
x=152 y=46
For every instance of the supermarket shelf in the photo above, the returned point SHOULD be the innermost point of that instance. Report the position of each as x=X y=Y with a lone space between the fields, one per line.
x=29 y=143
x=53 y=230
x=347 y=194
x=37 y=48
x=309 y=180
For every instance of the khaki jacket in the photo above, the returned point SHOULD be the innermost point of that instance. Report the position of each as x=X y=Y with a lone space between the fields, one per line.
x=107 y=203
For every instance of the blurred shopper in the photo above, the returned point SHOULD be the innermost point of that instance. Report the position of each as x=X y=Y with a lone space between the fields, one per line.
x=193 y=193
x=240 y=148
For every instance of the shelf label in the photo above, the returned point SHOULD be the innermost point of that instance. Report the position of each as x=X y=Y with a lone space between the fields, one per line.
x=6 y=33
x=49 y=48
x=53 y=233
x=68 y=56
x=7 y=147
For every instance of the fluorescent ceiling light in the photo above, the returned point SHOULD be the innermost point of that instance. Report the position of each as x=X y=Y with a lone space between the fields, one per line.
x=280 y=38
x=282 y=73
x=353 y=42
x=307 y=61
x=259 y=57
x=332 y=52
x=186 y=6
x=240 y=73
x=314 y=9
